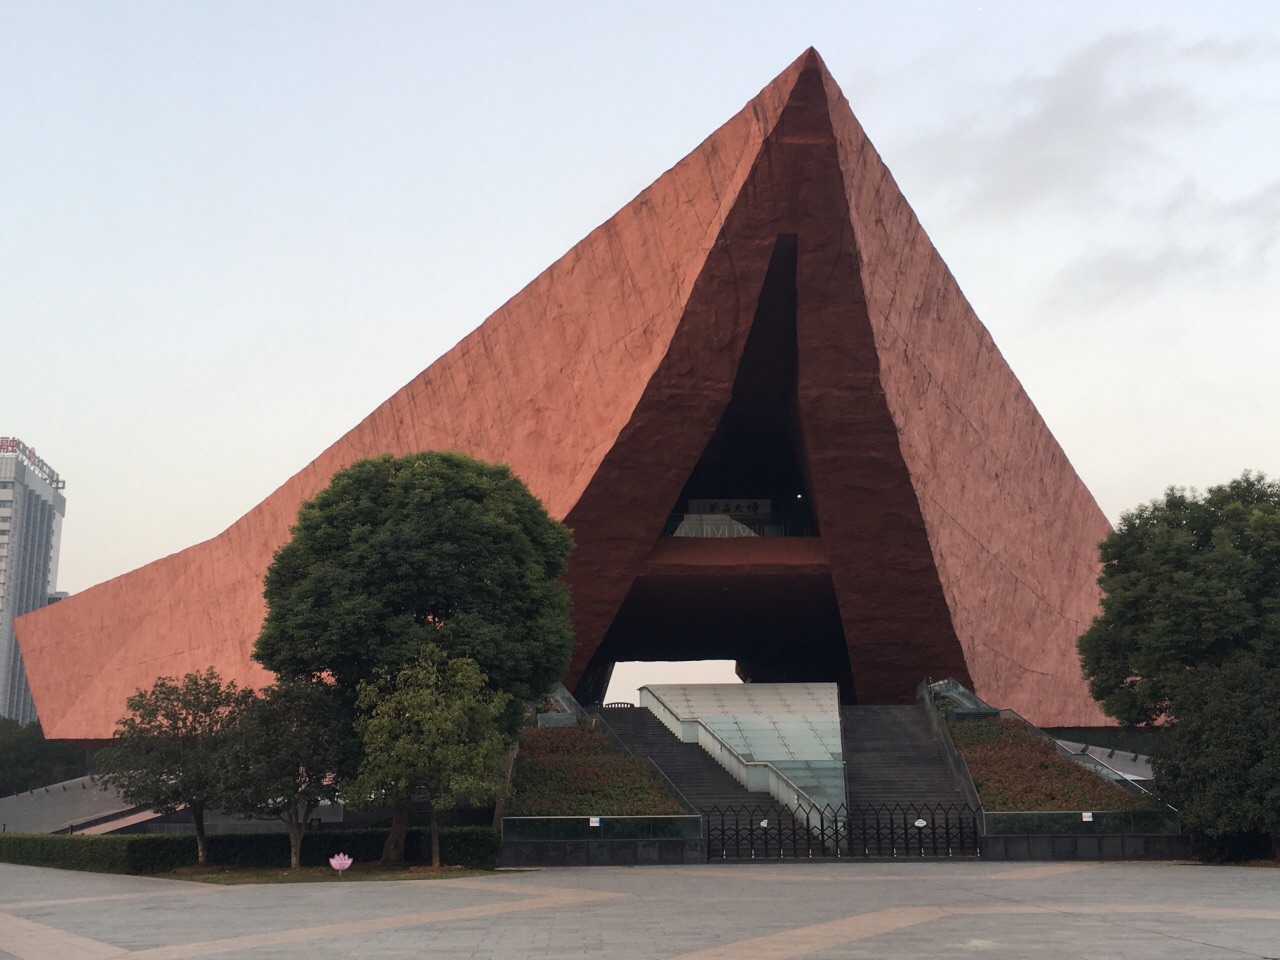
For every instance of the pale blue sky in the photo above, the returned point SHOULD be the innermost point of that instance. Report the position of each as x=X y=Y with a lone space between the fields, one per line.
x=230 y=230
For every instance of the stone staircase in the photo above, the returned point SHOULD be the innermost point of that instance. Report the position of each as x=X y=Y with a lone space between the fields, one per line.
x=704 y=783
x=891 y=756
x=895 y=776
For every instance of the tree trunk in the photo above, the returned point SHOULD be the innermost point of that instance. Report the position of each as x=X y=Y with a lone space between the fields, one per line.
x=393 y=849
x=296 y=825
x=202 y=853
x=435 y=839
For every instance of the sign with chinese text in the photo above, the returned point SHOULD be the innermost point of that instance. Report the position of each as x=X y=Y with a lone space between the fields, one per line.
x=13 y=447
x=738 y=509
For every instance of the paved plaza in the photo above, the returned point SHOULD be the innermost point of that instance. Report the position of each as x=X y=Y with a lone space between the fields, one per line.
x=717 y=912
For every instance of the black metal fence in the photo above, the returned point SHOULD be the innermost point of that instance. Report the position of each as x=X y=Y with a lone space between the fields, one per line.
x=774 y=831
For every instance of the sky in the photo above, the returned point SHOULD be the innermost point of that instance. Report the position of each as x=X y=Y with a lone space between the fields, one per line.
x=231 y=230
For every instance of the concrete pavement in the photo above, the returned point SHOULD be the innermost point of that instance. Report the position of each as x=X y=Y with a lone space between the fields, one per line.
x=1164 y=911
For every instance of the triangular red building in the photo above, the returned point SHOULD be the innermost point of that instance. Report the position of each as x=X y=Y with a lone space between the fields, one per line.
x=774 y=423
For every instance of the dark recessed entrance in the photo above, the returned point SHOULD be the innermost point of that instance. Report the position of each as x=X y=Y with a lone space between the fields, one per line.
x=773 y=613
x=755 y=461
x=779 y=628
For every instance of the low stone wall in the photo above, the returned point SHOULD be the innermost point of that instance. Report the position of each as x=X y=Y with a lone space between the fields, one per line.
x=600 y=853
x=1086 y=847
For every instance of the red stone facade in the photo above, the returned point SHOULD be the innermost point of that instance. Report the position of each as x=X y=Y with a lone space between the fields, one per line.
x=956 y=539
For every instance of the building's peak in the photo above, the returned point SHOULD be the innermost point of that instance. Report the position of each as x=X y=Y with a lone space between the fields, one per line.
x=811 y=58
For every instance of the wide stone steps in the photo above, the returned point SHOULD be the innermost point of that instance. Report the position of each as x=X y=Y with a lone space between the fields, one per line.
x=704 y=783
x=891 y=756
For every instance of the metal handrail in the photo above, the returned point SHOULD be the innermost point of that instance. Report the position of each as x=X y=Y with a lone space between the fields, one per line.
x=723 y=745
x=684 y=801
x=1121 y=780
x=599 y=722
x=959 y=769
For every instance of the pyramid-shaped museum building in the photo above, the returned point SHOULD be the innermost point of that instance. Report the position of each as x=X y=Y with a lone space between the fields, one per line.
x=775 y=425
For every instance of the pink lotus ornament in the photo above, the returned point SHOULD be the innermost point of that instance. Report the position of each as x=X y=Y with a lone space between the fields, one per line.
x=340 y=862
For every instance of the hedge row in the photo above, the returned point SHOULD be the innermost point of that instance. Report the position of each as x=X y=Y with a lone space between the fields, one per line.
x=475 y=848
x=124 y=853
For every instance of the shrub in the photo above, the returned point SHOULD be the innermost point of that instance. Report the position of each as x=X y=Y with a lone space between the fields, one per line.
x=1016 y=769
x=122 y=853
x=1231 y=847
x=475 y=848
x=577 y=771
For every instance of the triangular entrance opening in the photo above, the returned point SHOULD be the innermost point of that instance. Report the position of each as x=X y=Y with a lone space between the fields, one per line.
x=768 y=607
x=753 y=469
x=770 y=401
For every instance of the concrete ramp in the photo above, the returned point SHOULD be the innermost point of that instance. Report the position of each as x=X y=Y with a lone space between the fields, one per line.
x=78 y=805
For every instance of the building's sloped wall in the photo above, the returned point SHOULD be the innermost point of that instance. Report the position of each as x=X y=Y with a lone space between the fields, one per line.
x=1014 y=531
x=545 y=384
x=896 y=622
x=958 y=536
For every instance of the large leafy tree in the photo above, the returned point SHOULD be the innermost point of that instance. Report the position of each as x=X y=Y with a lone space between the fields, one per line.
x=431 y=549
x=166 y=753
x=1189 y=581
x=1189 y=639
x=282 y=755
x=430 y=731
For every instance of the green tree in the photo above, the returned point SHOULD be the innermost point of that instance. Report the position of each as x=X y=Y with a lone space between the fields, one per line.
x=281 y=757
x=28 y=760
x=1219 y=763
x=1189 y=640
x=166 y=752
x=1188 y=581
x=431 y=549
x=430 y=731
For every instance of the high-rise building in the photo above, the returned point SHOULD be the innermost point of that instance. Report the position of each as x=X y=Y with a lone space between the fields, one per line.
x=31 y=510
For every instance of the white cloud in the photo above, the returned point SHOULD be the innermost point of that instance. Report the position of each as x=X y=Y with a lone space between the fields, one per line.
x=1074 y=135
x=1193 y=239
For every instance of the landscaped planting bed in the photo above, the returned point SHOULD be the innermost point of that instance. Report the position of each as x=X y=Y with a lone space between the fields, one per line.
x=1014 y=768
x=576 y=771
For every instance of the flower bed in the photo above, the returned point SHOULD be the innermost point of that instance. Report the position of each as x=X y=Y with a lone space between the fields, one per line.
x=1015 y=769
x=575 y=771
